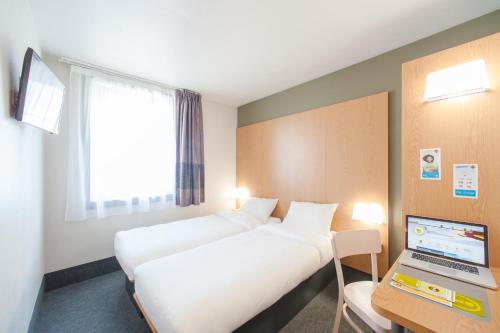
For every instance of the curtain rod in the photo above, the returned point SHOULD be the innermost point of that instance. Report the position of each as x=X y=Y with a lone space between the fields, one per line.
x=112 y=72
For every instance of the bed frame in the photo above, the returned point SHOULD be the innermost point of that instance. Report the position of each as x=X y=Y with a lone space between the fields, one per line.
x=130 y=289
x=277 y=315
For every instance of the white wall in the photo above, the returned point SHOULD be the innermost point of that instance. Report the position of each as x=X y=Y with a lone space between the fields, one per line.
x=69 y=244
x=21 y=183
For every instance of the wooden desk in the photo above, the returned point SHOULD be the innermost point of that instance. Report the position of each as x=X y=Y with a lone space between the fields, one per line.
x=423 y=316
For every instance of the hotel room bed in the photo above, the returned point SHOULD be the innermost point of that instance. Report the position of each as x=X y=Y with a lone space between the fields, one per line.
x=137 y=246
x=220 y=286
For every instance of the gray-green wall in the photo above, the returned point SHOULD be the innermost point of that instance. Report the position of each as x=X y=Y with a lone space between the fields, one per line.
x=382 y=73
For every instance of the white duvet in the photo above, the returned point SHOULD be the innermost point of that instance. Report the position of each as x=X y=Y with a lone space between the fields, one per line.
x=220 y=286
x=137 y=246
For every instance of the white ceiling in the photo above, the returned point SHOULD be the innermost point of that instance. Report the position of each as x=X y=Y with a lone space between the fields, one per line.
x=236 y=51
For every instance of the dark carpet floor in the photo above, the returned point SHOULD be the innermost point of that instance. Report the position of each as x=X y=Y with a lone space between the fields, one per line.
x=101 y=305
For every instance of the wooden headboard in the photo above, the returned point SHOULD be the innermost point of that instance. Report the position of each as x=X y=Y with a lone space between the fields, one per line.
x=337 y=153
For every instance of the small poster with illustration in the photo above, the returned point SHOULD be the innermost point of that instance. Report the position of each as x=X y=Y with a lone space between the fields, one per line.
x=430 y=163
x=465 y=181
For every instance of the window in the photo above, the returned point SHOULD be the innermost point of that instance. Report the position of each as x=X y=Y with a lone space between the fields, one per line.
x=131 y=142
x=122 y=146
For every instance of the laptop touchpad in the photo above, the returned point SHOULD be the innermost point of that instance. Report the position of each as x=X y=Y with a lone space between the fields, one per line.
x=441 y=269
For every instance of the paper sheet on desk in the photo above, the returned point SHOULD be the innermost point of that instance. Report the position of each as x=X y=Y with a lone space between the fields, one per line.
x=472 y=291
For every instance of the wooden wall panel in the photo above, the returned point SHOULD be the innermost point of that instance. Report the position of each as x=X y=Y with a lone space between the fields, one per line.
x=337 y=153
x=466 y=128
x=248 y=157
x=293 y=159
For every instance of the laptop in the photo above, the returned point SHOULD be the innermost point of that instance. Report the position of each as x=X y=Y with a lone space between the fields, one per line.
x=454 y=249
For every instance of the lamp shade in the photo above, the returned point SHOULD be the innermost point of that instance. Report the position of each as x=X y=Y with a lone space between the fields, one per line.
x=468 y=78
x=241 y=193
x=368 y=212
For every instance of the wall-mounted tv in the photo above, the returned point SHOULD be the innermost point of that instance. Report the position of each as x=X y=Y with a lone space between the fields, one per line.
x=40 y=96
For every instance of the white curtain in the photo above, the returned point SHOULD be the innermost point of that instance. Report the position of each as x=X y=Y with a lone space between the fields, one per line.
x=121 y=147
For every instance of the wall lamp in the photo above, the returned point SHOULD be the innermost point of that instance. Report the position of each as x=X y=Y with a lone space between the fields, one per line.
x=241 y=194
x=468 y=78
x=368 y=212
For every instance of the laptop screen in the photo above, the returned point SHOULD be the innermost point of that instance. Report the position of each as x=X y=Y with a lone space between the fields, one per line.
x=455 y=240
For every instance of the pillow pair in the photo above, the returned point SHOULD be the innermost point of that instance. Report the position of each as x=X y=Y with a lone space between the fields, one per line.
x=307 y=216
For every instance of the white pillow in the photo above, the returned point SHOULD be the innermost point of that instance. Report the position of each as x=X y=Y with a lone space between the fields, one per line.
x=259 y=207
x=311 y=217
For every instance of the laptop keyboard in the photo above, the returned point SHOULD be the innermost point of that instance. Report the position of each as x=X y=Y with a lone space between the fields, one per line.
x=445 y=263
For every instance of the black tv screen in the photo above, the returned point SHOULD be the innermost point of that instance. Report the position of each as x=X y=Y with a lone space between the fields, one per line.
x=40 y=96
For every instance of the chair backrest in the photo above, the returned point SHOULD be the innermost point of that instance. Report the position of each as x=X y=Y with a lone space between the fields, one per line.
x=355 y=242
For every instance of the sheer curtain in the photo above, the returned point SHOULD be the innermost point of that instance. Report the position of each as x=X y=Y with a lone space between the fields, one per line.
x=121 y=147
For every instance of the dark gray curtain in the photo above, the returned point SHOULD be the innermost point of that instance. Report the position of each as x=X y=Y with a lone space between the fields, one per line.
x=190 y=164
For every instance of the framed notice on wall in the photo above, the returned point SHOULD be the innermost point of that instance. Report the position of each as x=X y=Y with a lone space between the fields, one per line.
x=465 y=181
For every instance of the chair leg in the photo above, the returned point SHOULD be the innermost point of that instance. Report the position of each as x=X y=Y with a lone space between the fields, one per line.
x=349 y=320
x=338 y=317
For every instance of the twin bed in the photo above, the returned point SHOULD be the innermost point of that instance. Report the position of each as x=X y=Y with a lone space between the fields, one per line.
x=219 y=285
x=137 y=246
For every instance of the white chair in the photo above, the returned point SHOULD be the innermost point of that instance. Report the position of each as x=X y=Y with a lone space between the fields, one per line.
x=357 y=295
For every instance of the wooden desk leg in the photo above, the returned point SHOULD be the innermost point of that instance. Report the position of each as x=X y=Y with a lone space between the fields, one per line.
x=396 y=328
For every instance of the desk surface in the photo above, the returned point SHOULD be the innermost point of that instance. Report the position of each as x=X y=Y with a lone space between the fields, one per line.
x=423 y=316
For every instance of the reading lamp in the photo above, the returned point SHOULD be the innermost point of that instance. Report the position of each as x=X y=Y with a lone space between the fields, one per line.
x=368 y=212
x=468 y=78
x=241 y=194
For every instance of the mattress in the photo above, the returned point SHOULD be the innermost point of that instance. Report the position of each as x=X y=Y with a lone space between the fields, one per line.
x=137 y=246
x=220 y=286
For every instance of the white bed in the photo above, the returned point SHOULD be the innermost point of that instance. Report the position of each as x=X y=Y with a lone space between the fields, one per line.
x=219 y=286
x=137 y=246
